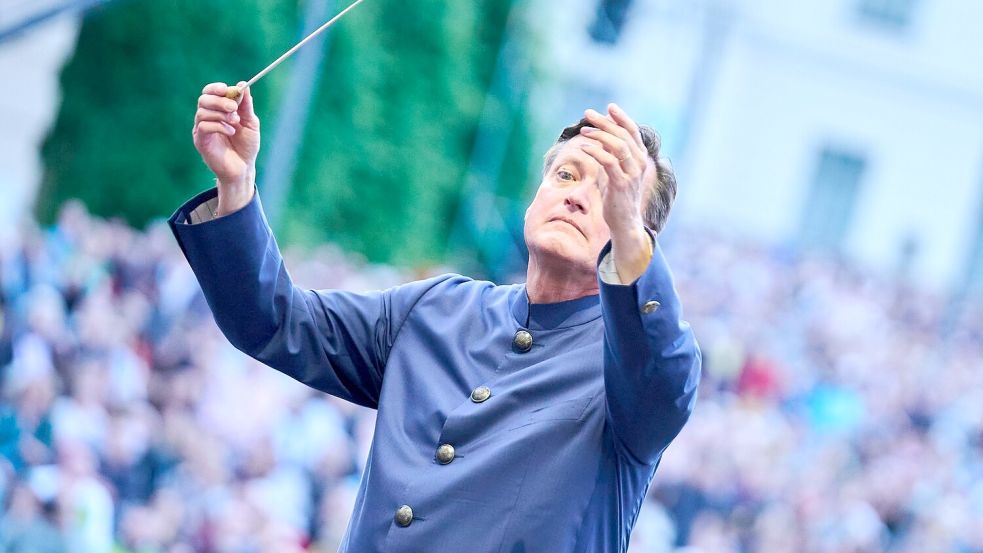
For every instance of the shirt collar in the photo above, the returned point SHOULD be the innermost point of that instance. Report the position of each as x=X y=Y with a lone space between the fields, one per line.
x=550 y=316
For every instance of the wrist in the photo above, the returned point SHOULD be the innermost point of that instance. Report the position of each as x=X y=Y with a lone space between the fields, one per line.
x=624 y=224
x=631 y=250
x=236 y=184
x=234 y=195
x=631 y=233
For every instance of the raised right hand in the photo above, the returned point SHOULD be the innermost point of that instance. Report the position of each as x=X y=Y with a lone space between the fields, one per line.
x=227 y=137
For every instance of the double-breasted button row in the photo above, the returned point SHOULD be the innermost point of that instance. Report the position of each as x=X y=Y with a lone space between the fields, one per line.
x=404 y=515
x=522 y=340
x=445 y=455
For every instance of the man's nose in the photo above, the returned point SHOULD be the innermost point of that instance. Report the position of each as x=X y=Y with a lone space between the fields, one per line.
x=578 y=198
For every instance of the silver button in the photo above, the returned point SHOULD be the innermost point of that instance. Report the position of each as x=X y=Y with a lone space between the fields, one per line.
x=481 y=393
x=404 y=516
x=522 y=341
x=445 y=454
x=650 y=307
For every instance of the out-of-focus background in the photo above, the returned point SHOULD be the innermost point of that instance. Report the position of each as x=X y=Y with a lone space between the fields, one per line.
x=827 y=243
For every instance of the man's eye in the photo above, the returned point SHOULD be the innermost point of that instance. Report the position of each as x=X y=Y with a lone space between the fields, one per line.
x=564 y=175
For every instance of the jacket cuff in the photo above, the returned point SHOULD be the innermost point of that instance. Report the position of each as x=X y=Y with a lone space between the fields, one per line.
x=607 y=271
x=652 y=296
x=202 y=208
x=229 y=242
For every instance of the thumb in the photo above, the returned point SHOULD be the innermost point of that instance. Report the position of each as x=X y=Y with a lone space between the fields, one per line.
x=246 y=113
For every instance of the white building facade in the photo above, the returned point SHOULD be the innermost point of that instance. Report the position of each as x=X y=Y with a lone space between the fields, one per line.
x=30 y=65
x=851 y=126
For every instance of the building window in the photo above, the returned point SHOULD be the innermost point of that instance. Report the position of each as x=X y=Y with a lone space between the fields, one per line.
x=609 y=20
x=828 y=211
x=890 y=14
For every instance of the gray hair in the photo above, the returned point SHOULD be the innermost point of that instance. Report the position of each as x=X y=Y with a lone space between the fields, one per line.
x=656 y=212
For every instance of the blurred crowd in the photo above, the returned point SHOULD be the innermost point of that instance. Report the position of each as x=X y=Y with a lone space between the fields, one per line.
x=840 y=411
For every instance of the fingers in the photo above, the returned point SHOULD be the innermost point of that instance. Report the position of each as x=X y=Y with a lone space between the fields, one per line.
x=611 y=164
x=626 y=129
x=617 y=140
x=209 y=127
x=212 y=115
x=607 y=124
x=217 y=103
x=622 y=151
x=217 y=89
x=215 y=108
x=213 y=98
x=624 y=121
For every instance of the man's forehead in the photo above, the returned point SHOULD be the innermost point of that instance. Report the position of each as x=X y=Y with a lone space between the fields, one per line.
x=570 y=150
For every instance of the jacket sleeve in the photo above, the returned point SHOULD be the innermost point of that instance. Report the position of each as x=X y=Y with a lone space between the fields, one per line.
x=651 y=360
x=337 y=342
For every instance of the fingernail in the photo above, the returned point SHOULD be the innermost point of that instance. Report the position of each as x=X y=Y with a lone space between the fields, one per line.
x=587 y=130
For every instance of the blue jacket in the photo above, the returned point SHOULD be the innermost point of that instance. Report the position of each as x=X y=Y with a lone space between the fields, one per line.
x=484 y=442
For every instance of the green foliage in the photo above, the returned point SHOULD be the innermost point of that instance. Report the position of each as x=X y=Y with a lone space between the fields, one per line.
x=392 y=127
x=122 y=139
x=386 y=146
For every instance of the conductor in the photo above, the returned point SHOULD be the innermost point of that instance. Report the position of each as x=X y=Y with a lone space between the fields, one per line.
x=511 y=418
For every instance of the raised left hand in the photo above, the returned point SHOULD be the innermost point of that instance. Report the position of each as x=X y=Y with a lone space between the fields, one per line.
x=616 y=144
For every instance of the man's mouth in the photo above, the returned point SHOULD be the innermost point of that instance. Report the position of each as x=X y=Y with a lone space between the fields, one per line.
x=569 y=222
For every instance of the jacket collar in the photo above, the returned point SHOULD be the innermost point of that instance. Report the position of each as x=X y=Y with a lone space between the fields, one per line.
x=550 y=316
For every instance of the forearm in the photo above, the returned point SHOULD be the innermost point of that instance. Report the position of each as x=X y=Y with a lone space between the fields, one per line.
x=651 y=360
x=651 y=389
x=303 y=333
x=237 y=265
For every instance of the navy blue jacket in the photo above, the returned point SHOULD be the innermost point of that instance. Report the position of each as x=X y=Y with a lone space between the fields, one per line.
x=479 y=446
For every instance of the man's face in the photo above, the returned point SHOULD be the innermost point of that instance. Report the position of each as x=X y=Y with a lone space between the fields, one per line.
x=565 y=220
